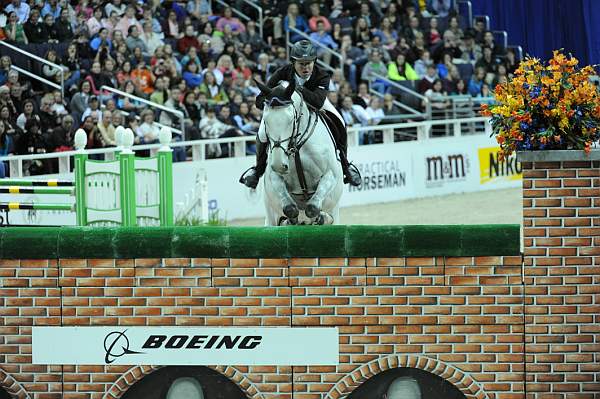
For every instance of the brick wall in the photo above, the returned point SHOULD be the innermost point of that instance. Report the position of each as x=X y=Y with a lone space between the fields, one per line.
x=562 y=278
x=494 y=326
x=460 y=318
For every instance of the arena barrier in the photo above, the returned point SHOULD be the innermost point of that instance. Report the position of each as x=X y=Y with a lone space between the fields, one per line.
x=128 y=191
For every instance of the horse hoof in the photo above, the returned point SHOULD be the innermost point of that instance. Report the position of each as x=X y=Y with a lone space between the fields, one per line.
x=291 y=211
x=312 y=211
x=320 y=220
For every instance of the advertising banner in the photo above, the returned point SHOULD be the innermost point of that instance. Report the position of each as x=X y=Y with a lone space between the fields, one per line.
x=280 y=346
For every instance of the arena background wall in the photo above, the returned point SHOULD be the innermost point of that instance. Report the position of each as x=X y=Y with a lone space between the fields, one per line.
x=458 y=301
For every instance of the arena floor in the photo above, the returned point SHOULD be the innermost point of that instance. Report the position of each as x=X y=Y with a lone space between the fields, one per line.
x=499 y=206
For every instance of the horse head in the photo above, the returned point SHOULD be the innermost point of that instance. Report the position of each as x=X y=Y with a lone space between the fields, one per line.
x=281 y=120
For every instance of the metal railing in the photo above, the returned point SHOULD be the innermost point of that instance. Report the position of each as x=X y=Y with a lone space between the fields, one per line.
x=469 y=8
x=426 y=102
x=390 y=132
x=503 y=35
x=43 y=61
x=307 y=37
x=485 y=18
x=154 y=105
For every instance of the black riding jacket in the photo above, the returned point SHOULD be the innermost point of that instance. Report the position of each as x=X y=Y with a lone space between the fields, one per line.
x=314 y=90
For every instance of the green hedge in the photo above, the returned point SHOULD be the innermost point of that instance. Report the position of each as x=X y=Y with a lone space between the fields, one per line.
x=259 y=242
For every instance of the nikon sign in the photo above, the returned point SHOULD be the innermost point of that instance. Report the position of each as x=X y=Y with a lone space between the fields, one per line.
x=185 y=346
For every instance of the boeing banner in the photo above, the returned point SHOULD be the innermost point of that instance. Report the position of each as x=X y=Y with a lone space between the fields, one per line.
x=170 y=346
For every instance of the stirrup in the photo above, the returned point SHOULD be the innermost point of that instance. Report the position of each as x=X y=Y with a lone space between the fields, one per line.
x=352 y=175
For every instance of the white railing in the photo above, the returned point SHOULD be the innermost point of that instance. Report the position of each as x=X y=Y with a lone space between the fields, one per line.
x=154 y=105
x=43 y=61
x=424 y=128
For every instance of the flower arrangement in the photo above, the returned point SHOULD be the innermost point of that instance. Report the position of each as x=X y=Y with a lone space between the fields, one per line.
x=546 y=106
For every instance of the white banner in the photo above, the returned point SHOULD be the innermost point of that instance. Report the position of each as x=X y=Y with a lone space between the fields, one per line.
x=185 y=346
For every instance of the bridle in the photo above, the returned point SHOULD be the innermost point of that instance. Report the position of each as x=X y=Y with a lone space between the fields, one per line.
x=297 y=139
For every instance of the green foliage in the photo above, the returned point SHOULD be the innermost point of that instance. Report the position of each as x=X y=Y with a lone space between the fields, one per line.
x=213 y=220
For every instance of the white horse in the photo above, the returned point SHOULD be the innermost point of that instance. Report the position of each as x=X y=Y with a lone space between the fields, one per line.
x=304 y=180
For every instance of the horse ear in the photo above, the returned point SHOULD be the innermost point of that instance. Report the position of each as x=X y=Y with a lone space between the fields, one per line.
x=289 y=90
x=263 y=89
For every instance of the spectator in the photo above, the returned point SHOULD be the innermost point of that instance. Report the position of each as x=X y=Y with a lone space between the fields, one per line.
x=316 y=17
x=427 y=82
x=148 y=131
x=422 y=63
x=94 y=24
x=20 y=8
x=294 y=20
x=194 y=113
x=62 y=137
x=488 y=63
x=106 y=129
x=353 y=58
x=32 y=141
x=479 y=30
x=440 y=8
x=171 y=27
x=244 y=121
x=387 y=33
x=511 y=61
x=325 y=40
x=14 y=29
x=389 y=108
x=126 y=103
x=147 y=17
x=33 y=28
x=115 y=6
x=488 y=41
x=72 y=67
x=252 y=37
x=6 y=148
x=227 y=19
x=110 y=23
x=64 y=30
x=28 y=112
x=375 y=111
x=432 y=35
x=476 y=82
x=134 y=40
x=454 y=27
x=199 y=8
x=188 y=40
x=79 y=102
x=375 y=66
x=353 y=114
x=160 y=93
x=460 y=89
x=191 y=76
x=49 y=34
x=59 y=107
x=362 y=98
x=94 y=138
x=470 y=50
x=400 y=70
x=242 y=68
x=127 y=21
x=362 y=34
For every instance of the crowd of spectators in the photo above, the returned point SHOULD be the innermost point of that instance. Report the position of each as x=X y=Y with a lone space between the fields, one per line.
x=202 y=61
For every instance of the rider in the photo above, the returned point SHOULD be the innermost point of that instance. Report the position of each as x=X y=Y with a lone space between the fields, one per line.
x=313 y=83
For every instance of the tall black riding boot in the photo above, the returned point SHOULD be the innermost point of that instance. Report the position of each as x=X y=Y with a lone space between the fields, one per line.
x=351 y=172
x=251 y=176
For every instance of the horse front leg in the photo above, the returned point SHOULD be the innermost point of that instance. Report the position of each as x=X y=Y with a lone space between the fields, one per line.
x=324 y=189
x=288 y=205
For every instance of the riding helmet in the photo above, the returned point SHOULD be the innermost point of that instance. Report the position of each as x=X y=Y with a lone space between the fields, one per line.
x=303 y=50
